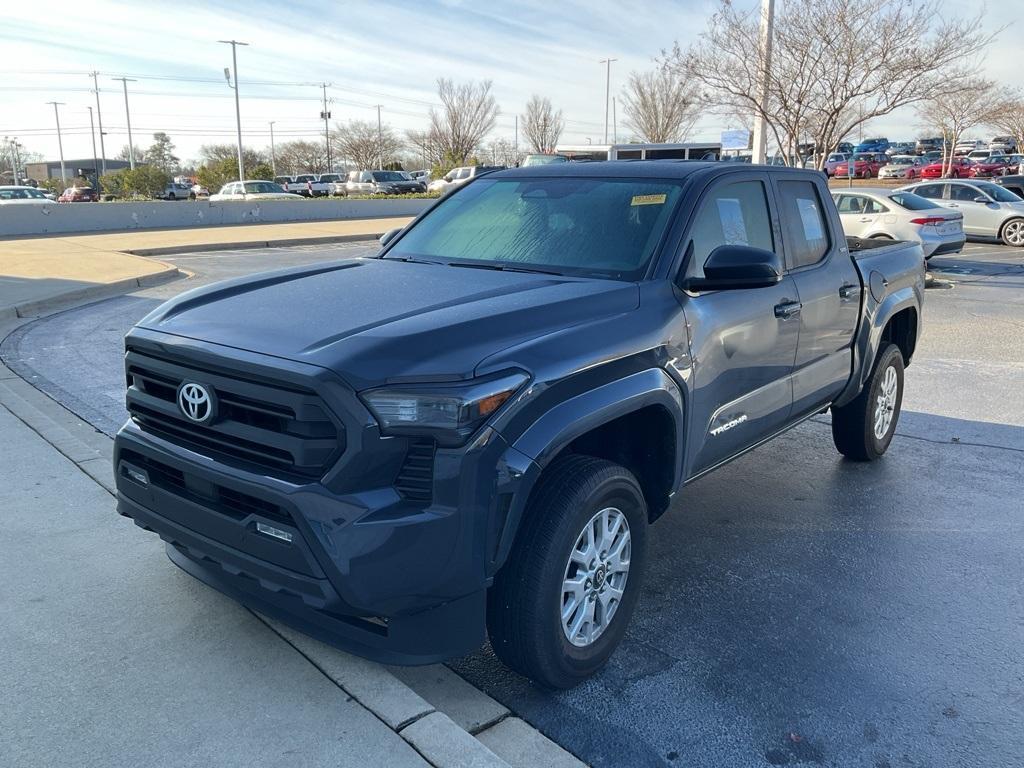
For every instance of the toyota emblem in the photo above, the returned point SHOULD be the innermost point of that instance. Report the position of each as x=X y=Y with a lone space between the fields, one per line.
x=195 y=402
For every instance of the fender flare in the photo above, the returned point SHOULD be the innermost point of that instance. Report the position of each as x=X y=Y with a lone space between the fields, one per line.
x=542 y=441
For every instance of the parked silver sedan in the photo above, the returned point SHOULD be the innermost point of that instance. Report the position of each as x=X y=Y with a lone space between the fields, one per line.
x=989 y=210
x=889 y=214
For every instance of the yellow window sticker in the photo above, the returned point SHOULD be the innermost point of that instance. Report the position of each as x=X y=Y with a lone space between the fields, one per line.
x=648 y=199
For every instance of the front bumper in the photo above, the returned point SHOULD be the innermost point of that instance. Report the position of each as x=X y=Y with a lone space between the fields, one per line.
x=345 y=557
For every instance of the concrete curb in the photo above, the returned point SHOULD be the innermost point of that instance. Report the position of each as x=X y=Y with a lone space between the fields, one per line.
x=446 y=720
x=88 y=294
x=243 y=244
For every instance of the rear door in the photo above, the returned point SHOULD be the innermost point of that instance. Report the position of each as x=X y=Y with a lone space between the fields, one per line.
x=828 y=287
x=742 y=342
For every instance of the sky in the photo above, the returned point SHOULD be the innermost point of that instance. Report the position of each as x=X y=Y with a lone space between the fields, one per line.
x=387 y=52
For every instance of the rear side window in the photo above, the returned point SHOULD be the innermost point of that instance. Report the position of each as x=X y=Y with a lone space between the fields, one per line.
x=804 y=219
x=734 y=214
x=931 y=191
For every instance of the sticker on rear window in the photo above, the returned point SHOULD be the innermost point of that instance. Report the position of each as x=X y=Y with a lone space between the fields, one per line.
x=648 y=199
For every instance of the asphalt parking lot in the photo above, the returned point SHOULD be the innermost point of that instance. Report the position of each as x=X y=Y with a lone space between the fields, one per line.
x=799 y=609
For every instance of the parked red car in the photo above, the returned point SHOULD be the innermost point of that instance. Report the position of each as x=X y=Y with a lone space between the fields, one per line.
x=990 y=166
x=79 y=195
x=865 y=165
x=960 y=168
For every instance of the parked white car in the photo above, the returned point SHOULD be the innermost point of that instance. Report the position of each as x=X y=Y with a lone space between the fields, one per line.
x=902 y=167
x=1006 y=144
x=456 y=177
x=252 y=190
x=175 y=191
x=893 y=215
x=964 y=146
x=989 y=210
x=19 y=195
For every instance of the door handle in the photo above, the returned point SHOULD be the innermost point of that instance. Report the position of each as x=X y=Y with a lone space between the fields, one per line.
x=847 y=291
x=866 y=219
x=788 y=309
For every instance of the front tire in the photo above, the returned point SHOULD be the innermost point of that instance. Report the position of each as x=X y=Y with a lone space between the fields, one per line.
x=863 y=428
x=560 y=606
x=1012 y=233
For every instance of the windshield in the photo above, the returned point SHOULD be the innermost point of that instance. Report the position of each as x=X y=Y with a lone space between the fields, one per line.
x=261 y=187
x=544 y=159
x=912 y=202
x=22 y=193
x=836 y=157
x=863 y=158
x=388 y=176
x=997 y=193
x=565 y=225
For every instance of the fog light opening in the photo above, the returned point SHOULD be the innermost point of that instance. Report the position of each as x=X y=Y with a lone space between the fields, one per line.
x=137 y=475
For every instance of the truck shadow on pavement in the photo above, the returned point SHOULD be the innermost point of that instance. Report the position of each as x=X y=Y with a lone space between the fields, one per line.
x=799 y=608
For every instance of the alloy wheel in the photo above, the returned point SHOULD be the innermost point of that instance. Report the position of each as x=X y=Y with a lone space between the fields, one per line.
x=595 y=577
x=1014 y=233
x=885 y=403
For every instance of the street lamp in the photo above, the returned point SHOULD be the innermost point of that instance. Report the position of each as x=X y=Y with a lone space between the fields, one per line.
x=99 y=119
x=60 y=144
x=128 y=118
x=273 y=155
x=95 y=165
x=607 y=92
x=238 y=110
x=764 y=71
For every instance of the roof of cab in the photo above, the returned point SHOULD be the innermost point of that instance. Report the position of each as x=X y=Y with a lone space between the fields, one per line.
x=637 y=169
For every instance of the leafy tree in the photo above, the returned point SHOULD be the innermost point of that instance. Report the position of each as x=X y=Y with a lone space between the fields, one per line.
x=113 y=183
x=214 y=153
x=145 y=181
x=542 y=125
x=260 y=171
x=216 y=173
x=161 y=153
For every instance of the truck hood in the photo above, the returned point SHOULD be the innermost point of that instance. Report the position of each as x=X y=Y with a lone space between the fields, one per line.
x=374 y=321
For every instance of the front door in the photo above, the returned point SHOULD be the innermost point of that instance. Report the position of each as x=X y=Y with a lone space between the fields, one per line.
x=979 y=218
x=829 y=288
x=742 y=342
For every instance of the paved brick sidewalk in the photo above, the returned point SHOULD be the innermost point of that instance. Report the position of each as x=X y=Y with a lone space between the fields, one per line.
x=39 y=273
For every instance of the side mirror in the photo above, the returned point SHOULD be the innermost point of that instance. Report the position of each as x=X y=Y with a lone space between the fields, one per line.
x=982 y=199
x=732 y=267
x=390 y=235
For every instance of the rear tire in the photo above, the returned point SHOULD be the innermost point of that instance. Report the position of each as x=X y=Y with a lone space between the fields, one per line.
x=863 y=428
x=552 y=633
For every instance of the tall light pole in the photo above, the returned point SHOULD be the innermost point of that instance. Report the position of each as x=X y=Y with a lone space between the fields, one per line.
x=325 y=116
x=95 y=165
x=128 y=118
x=615 y=123
x=238 y=110
x=60 y=144
x=760 y=148
x=607 y=92
x=273 y=155
x=380 y=141
x=99 y=119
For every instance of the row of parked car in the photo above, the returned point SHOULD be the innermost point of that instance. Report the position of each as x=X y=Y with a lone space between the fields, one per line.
x=355 y=183
x=940 y=214
x=866 y=165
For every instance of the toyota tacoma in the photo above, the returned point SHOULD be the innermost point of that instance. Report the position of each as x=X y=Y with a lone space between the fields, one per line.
x=471 y=431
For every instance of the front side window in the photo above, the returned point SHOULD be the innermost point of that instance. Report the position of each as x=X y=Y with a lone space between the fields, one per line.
x=611 y=227
x=803 y=216
x=996 y=192
x=963 y=193
x=734 y=214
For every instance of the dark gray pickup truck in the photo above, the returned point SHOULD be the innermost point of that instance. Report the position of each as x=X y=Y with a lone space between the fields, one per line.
x=474 y=428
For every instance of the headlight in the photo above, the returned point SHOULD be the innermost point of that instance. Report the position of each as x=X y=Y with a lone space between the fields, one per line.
x=448 y=412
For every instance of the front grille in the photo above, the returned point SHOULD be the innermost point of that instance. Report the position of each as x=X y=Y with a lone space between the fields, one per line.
x=278 y=429
x=416 y=477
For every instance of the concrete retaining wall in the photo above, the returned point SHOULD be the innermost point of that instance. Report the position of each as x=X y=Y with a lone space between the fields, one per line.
x=159 y=214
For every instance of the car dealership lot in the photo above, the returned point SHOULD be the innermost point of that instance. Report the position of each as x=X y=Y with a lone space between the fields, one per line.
x=798 y=608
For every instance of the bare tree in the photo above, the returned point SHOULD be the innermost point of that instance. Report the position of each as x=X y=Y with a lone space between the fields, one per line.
x=836 y=64
x=542 y=125
x=660 y=106
x=360 y=142
x=502 y=152
x=468 y=114
x=302 y=156
x=210 y=154
x=425 y=146
x=1008 y=116
x=959 y=111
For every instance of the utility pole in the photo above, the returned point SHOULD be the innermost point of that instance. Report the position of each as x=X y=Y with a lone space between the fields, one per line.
x=615 y=123
x=128 y=117
x=273 y=155
x=238 y=110
x=764 y=77
x=325 y=115
x=380 y=141
x=60 y=144
x=515 y=142
x=607 y=92
x=95 y=165
x=99 y=119
x=14 y=158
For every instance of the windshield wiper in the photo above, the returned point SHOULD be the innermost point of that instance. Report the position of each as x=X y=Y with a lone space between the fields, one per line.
x=505 y=268
x=408 y=259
